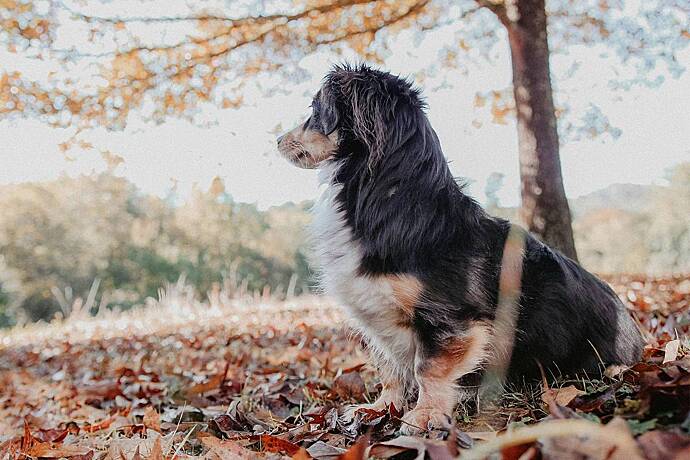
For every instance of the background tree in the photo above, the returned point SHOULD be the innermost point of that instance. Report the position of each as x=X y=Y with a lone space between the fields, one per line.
x=108 y=65
x=57 y=237
x=544 y=208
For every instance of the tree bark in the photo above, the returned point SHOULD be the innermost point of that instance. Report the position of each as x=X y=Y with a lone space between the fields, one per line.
x=544 y=209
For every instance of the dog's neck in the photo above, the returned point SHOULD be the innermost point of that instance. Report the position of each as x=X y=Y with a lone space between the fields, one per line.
x=404 y=210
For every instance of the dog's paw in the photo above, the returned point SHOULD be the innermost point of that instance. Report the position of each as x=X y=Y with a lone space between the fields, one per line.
x=420 y=420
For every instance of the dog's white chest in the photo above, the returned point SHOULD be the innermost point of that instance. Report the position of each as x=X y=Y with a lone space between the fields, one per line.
x=370 y=301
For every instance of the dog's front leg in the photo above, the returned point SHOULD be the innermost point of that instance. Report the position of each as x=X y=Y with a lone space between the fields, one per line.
x=393 y=392
x=438 y=366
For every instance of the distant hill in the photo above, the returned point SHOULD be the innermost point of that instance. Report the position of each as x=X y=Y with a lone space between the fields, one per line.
x=626 y=197
x=628 y=228
x=623 y=197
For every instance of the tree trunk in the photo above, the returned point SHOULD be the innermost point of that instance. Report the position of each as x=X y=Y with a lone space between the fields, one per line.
x=545 y=208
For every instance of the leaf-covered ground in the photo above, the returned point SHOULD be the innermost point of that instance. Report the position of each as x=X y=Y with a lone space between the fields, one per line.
x=234 y=379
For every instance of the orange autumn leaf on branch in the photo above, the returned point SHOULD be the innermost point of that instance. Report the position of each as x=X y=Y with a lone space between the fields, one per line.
x=178 y=62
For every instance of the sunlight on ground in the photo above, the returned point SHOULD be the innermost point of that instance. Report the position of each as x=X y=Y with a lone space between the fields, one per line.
x=175 y=310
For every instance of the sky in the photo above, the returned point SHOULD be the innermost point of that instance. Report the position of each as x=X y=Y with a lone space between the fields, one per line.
x=238 y=145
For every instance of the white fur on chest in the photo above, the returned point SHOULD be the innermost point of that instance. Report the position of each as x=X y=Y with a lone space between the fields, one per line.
x=369 y=300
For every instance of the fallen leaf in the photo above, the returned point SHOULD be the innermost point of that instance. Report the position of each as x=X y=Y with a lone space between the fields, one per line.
x=226 y=448
x=301 y=454
x=350 y=385
x=441 y=450
x=358 y=451
x=566 y=394
x=324 y=451
x=270 y=443
x=556 y=410
x=213 y=383
x=152 y=419
x=397 y=446
x=128 y=447
x=156 y=450
x=614 y=441
x=354 y=368
x=593 y=402
x=46 y=450
x=671 y=351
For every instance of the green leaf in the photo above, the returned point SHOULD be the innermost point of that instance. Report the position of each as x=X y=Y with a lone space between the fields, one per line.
x=637 y=427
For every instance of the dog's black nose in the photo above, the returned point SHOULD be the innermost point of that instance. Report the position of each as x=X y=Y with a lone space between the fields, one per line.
x=280 y=138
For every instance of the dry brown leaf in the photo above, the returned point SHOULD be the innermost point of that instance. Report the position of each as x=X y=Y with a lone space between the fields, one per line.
x=322 y=450
x=614 y=443
x=566 y=439
x=156 y=450
x=270 y=443
x=671 y=351
x=358 y=451
x=398 y=445
x=561 y=396
x=301 y=454
x=212 y=384
x=127 y=447
x=226 y=448
x=350 y=385
x=152 y=419
x=46 y=450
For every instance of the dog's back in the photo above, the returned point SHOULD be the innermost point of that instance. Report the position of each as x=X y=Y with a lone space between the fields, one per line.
x=569 y=320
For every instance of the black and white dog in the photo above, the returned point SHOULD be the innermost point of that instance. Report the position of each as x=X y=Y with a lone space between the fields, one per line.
x=417 y=262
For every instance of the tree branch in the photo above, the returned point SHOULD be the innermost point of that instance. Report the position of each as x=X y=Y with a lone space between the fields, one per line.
x=373 y=29
x=413 y=9
x=211 y=17
x=497 y=7
x=285 y=20
x=233 y=22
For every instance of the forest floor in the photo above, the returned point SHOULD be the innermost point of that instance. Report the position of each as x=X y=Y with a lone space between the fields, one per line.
x=236 y=379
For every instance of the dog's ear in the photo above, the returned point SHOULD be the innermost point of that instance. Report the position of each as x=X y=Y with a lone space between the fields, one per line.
x=384 y=122
x=372 y=113
x=382 y=115
x=328 y=112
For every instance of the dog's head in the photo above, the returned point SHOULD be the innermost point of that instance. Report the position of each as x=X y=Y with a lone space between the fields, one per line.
x=356 y=106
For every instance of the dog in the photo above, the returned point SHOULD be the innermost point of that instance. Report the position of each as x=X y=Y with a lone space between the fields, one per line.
x=421 y=267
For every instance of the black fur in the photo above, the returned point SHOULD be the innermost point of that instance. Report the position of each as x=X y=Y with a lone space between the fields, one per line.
x=411 y=217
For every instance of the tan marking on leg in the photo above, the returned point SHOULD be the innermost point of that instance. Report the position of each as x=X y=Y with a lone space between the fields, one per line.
x=407 y=290
x=437 y=376
x=441 y=366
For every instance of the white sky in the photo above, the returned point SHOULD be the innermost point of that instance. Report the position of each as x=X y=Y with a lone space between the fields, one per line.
x=240 y=147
